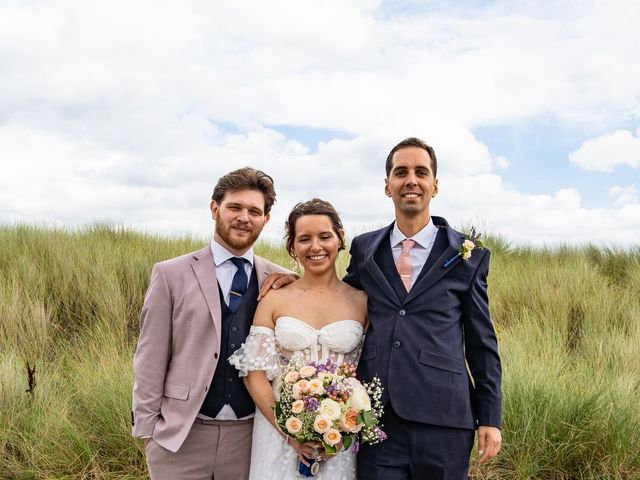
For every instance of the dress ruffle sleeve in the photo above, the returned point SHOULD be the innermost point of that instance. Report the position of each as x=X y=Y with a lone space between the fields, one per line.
x=258 y=352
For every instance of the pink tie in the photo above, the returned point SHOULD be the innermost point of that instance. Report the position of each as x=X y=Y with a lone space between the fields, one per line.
x=404 y=263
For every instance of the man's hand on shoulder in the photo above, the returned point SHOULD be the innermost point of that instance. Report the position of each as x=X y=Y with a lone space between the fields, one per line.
x=276 y=280
x=489 y=443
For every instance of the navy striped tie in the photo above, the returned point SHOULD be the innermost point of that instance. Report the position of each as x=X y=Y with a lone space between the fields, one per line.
x=238 y=285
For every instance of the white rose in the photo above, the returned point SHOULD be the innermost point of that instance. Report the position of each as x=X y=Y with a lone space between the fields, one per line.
x=469 y=245
x=466 y=255
x=360 y=399
x=330 y=408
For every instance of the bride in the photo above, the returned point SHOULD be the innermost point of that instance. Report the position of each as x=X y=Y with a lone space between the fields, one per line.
x=318 y=315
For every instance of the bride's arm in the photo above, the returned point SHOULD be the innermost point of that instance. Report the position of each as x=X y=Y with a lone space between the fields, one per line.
x=256 y=380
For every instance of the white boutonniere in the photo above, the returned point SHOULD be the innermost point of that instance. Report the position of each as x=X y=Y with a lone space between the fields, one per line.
x=471 y=242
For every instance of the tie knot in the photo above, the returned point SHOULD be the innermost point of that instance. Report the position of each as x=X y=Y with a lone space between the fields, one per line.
x=407 y=245
x=238 y=262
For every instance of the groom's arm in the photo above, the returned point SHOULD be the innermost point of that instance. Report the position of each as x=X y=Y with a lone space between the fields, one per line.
x=481 y=351
x=152 y=354
x=481 y=347
x=352 y=277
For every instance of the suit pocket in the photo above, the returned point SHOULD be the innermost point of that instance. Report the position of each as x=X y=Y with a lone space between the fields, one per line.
x=368 y=352
x=176 y=390
x=432 y=358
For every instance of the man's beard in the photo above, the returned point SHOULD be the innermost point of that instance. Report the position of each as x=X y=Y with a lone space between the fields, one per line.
x=224 y=231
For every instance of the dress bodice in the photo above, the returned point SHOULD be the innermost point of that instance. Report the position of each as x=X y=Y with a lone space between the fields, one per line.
x=271 y=350
x=339 y=340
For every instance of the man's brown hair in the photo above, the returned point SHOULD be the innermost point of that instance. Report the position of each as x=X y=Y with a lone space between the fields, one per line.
x=413 y=142
x=246 y=178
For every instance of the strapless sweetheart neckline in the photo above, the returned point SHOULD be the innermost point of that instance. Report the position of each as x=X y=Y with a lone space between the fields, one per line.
x=311 y=327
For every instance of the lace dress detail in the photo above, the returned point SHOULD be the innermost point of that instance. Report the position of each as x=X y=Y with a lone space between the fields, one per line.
x=269 y=350
x=258 y=352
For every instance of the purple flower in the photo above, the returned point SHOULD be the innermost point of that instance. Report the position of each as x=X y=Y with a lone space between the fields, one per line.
x=380 y=433
x=356 y=446
x=310 y=403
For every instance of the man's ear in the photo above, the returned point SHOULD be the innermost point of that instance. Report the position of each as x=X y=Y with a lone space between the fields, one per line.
x=214 y=209
x=267 y=217
x=387 y=192
x=435 y=188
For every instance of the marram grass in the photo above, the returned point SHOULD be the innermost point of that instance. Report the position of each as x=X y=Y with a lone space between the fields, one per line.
x=568 y=322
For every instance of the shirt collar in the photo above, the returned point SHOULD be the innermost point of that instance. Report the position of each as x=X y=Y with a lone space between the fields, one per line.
x=221 y=254
x=422 y=238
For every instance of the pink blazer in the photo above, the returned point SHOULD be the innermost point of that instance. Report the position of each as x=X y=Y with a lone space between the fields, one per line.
x=179 y=345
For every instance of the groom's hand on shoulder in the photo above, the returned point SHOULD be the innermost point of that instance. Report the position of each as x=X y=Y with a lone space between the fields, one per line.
x=489 y=443
x=276 y=280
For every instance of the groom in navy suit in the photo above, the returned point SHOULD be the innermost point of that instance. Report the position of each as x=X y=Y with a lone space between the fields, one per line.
x=430 y=337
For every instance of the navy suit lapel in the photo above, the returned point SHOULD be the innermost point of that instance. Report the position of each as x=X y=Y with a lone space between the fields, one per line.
x=382 y=279
x=384 y=259
x=445 y=247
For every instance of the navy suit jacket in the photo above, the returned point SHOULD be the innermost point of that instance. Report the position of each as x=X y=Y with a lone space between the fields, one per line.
x=434 y=348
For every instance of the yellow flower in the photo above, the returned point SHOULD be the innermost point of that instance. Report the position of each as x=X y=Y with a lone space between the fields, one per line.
x=297 y=406
x=291 y=377
x=307 y=371
x=316 y=387
x=332 y=437
x=322 y=424
x=293 y=424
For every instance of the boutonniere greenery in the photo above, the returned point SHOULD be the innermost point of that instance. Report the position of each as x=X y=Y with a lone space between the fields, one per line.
x=471 y=242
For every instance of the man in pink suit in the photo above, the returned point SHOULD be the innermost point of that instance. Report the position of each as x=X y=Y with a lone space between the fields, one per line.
x=189 y=405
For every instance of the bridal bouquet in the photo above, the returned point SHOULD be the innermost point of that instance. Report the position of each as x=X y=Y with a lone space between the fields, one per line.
x=325 y=402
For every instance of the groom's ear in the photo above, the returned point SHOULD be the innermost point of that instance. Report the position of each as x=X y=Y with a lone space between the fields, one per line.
x=387 y=192
x=214 y=209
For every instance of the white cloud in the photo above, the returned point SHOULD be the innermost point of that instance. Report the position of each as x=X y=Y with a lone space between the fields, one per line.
x=624 y=195
x=134 y=116
x=605 y=152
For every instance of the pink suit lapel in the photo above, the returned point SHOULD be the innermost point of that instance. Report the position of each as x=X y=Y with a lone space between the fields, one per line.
x=205 y=271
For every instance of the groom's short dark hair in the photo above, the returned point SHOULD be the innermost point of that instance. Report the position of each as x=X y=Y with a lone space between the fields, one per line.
x=413 y=142
x=246 y=178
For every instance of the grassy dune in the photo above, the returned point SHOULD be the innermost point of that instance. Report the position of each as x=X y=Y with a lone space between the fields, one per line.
x=568 y=322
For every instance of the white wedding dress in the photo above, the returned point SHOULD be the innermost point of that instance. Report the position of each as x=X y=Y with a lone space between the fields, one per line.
x=269 y=350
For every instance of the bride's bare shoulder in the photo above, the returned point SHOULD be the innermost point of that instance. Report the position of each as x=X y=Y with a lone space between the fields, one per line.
x=359 y=295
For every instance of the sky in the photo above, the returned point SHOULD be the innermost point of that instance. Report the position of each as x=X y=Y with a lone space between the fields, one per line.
x=129 y=112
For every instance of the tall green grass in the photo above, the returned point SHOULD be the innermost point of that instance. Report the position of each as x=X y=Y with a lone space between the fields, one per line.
x=568 y=322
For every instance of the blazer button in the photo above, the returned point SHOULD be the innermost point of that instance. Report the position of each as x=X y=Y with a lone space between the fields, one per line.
x=402 y=313
x=233 y=345
x=234 y=329
x=230 y=379
x=396 y=344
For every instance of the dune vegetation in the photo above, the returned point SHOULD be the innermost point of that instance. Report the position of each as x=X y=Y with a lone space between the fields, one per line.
x=568 y=322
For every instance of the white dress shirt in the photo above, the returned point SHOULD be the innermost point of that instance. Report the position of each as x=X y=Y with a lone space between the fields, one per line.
x=225 y=269
x=424 y=239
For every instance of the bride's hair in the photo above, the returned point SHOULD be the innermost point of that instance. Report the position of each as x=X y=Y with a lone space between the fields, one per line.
x=315 y=206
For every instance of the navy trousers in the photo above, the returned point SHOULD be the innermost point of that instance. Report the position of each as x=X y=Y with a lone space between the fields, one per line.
x=416 y=451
